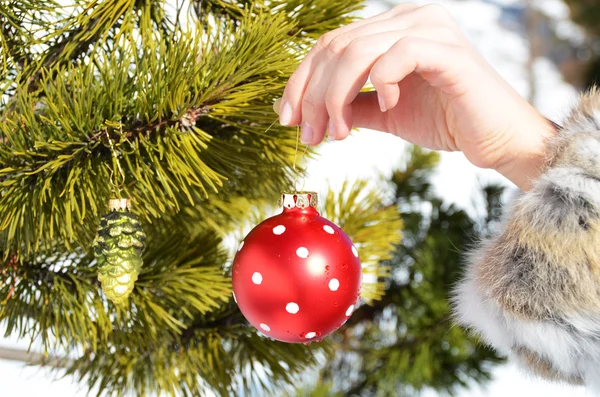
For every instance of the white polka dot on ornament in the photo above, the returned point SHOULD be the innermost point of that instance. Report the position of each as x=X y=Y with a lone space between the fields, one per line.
x=328 y=229
x=334 y=284
x=350 y=310
x=257 y=278
x=292 y=308
x=310 y=335
x=302 y=252
x=265 y=327
x=355 y=251
x=278 y=230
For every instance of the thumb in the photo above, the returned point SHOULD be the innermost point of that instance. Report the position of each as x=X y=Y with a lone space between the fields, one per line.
x=366 y=113
x=365 y=110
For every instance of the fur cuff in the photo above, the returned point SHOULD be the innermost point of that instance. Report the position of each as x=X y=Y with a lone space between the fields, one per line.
x=533 y=291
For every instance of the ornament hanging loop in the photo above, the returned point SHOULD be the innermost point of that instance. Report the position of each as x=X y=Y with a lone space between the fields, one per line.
x=276 y=106
x=303 y=172
x=116 y=168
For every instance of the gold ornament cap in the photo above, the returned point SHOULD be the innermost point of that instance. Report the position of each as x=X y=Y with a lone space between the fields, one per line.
x=119 y=205
x=299 y=200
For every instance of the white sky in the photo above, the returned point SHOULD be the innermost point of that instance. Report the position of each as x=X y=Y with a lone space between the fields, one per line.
x=368 y=154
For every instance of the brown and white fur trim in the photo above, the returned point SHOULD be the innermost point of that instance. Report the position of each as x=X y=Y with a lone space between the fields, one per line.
x=533 y=290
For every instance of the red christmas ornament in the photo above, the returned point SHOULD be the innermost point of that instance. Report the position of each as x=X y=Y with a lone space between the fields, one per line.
x=297 y=276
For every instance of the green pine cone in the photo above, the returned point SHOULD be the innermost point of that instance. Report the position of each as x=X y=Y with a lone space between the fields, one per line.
x=118 y=247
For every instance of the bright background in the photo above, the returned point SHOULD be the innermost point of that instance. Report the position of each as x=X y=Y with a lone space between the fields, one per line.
x=494 y=28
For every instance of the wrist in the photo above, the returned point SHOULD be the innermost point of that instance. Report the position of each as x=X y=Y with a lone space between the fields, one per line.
x=528 y=155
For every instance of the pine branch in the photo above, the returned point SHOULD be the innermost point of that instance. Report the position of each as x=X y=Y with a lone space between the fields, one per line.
x=165 y=296
x=15 y=38
x=142 y=127
x=75 y=44
x=9 y=41
x=196 y=160
x=312 y=17
x=226 y=9
x=70 y=43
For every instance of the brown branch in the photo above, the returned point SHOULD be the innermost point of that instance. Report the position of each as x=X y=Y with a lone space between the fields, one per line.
x=12 y=264
x=7 y=353
x=188 y=120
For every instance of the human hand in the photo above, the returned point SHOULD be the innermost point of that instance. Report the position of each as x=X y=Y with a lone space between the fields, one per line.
x=432 y=89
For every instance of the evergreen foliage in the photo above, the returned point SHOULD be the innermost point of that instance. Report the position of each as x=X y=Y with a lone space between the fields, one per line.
x=170 y=106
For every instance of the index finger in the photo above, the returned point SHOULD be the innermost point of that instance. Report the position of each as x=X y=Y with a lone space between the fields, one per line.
x=291 y=105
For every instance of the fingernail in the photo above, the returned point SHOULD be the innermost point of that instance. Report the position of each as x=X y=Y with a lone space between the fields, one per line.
x=331 y=131
x=277 y=105
x=285 y=118
x=381 y=103
x=307 y=133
